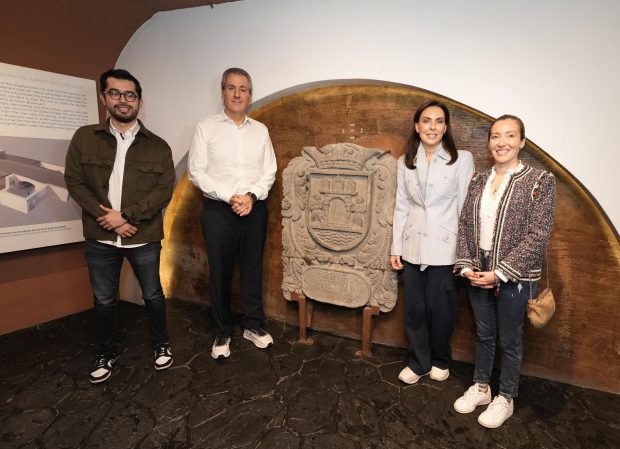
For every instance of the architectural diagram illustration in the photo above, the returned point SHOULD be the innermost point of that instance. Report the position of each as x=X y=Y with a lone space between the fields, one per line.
x=25 y=182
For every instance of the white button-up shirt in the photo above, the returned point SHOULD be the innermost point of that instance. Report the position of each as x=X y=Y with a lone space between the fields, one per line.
x=489 y=204
x=226 y=159
x=115 y=192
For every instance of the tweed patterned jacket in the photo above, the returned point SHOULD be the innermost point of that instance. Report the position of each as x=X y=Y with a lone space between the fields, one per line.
x=522 y=225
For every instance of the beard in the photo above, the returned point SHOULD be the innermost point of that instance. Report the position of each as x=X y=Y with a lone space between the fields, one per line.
x=124 y=117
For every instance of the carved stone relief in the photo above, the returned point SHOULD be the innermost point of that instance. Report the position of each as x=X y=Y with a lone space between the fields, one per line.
x=337 y=226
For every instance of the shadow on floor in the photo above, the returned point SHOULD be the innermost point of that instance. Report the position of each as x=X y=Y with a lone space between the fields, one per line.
x=289 y=396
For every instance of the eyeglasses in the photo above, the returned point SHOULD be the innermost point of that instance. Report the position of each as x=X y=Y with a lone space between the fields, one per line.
x=115 y=94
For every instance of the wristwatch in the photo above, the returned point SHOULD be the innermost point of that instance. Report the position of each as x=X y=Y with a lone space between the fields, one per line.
x=252 y=197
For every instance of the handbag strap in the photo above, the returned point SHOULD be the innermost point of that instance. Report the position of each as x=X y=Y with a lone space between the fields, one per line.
x=547 y=266
x=536 y=185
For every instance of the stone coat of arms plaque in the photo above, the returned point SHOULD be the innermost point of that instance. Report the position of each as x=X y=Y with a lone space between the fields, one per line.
x=337 y=212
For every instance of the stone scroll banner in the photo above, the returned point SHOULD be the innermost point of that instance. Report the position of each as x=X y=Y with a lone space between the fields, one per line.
x=337 y=226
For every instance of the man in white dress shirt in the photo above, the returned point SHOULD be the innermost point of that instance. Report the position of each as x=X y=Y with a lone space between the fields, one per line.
x=231 y=160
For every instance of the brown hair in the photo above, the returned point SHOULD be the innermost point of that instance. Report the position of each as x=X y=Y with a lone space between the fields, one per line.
x=509 y=117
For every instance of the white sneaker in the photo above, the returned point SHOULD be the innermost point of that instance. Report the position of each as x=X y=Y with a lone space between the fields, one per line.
x=259 y=337
x=497 y=413
x=472 y=398
x=408 y=376
x=439 y=374
x=220 y=348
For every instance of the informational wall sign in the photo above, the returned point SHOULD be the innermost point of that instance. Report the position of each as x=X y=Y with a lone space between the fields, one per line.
x=39 y=112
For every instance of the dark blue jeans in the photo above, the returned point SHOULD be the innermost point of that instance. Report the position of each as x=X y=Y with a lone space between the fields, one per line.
x=104 y=266
x=502 y=316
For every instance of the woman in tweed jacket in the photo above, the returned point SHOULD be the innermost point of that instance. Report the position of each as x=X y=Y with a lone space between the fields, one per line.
x=504 y=229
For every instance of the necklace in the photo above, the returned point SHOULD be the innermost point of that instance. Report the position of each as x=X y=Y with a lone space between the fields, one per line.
x=496 y=184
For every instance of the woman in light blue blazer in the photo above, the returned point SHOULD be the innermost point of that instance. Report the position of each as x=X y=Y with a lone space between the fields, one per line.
x=433 y=177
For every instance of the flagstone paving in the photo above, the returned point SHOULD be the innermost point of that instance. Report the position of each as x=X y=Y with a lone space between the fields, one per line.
x=290 y=396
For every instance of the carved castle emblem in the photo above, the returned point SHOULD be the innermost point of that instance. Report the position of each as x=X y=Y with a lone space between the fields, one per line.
x=337 y=217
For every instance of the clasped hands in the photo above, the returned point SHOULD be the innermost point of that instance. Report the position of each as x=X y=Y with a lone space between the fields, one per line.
x=241 y=204
x=482 y=279
x=114 y=221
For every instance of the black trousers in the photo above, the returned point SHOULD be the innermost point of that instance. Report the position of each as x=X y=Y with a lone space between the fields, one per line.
x=231 y=238
x=431 y=305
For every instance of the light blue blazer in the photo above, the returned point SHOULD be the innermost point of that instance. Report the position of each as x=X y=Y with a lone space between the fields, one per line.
x=426 y=216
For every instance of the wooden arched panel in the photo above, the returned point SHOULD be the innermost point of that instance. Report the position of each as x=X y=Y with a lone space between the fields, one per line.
x=581 y=344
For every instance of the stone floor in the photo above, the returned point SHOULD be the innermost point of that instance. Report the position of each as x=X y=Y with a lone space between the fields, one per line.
x=289 y=396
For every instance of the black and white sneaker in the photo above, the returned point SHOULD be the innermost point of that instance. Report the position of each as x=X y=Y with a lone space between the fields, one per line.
x=163 y=357
x=102 y=368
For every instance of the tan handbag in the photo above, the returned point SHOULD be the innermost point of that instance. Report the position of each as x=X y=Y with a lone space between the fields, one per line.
x=541 y=309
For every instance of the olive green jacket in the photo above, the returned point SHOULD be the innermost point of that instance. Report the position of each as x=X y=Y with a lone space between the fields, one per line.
x=148 y=180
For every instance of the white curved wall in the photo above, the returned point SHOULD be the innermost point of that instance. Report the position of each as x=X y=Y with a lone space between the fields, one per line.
x=554 y=63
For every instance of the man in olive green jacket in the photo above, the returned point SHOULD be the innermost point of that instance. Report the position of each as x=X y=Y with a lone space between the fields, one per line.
x=122 y=175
